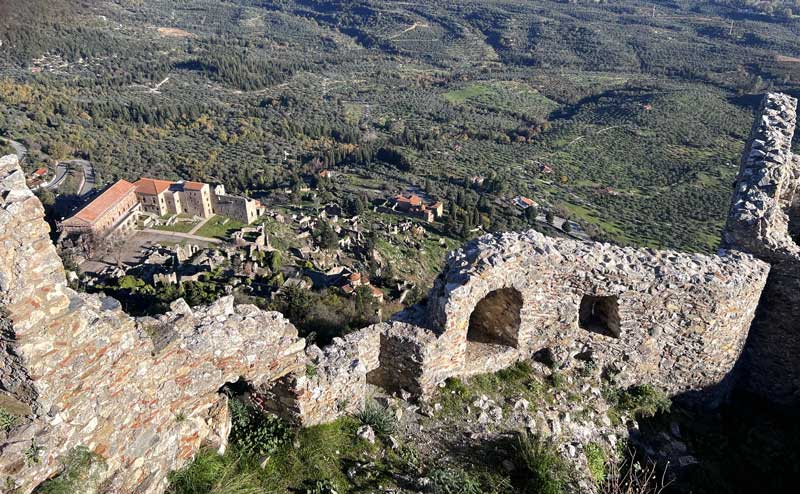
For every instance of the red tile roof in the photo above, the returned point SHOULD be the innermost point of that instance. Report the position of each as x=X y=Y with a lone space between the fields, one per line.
x=413 y=199
x=151 y=186
x=105 y=201
x=193 y=185
x=40 y=171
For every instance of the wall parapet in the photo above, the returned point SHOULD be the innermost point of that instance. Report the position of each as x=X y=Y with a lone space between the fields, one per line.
x=764 y=220
x=764 y=196
x=678 y=320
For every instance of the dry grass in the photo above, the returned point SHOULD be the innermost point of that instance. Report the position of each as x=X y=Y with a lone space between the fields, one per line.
x=631 y=477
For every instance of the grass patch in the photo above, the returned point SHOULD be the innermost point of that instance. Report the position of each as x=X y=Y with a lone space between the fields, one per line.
x=214 y=474
x=177 y=227
x=454 y=481
x=547 y=472
x=321 y=453
x=316 y=461
x=219 y=227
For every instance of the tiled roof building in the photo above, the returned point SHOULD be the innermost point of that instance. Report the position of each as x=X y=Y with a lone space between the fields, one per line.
x=114 y=209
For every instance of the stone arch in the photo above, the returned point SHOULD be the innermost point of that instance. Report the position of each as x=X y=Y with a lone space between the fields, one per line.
x=496 y=318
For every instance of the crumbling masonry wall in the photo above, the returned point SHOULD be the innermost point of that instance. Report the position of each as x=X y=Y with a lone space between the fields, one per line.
x=764 y=221
x=681 y=321
x=92 y=376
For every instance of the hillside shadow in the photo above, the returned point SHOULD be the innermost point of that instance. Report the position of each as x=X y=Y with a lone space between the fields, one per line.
x=744 y=445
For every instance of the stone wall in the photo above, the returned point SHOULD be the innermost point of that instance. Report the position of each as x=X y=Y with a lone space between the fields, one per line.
x=680 y=320
x=764 y=221
x=97 y=379
x=331 y=383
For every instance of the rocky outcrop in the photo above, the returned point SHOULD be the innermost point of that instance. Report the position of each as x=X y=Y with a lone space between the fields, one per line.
x=764 y=221
x=94 y=377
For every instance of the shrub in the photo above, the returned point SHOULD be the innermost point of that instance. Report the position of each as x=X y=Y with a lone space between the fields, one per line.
x=641 y=401
x=321 y=487
x=454 y=481
x=547 y=472
x=632 y=477
x=311 y=371
x=8 y=420
x=596 y=458
x=256 y=433
x=381 y=419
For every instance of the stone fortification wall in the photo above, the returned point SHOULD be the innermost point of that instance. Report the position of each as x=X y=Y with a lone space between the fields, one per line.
x=95 y=378
x=765 y=198
x=764 y=220
x=676 y=320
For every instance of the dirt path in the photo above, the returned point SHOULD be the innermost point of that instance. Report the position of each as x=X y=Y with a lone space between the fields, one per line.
x=183 y=236
x=408 y=29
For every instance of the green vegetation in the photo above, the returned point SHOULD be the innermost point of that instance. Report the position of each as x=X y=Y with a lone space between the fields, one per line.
x=214 y=474
x=139 y=297
x=596 y=458
x=638 y=115
x=8 y=420
x=219 y=227
x=454 y=481
x=178 y=226
x=517 y=380
x=255 y=433
x=80 y=473
x=381 y=419
x=317 y=454
x=642 y=401
x=547 y=472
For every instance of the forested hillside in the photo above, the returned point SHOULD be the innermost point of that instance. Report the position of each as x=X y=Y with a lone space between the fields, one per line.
x=625 y=116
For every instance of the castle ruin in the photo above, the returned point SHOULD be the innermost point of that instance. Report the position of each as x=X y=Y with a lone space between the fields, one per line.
x=88 y=375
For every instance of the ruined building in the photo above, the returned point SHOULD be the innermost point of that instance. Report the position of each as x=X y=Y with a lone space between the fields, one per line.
x=88 y=375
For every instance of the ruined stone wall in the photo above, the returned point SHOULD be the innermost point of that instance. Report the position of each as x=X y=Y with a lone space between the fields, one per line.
x=681 y=319
x=97 y=379
x=332 y=381
x=764 y=220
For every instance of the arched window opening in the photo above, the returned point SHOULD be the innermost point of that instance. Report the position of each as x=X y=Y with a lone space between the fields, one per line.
x=496 y=318
x=600 y=315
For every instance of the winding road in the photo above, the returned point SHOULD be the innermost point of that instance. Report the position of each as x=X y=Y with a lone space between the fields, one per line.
x=19 y=149
x=87 y=176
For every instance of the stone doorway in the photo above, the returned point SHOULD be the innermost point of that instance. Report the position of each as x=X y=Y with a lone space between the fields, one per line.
x=600 y=315
x=496 y=318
